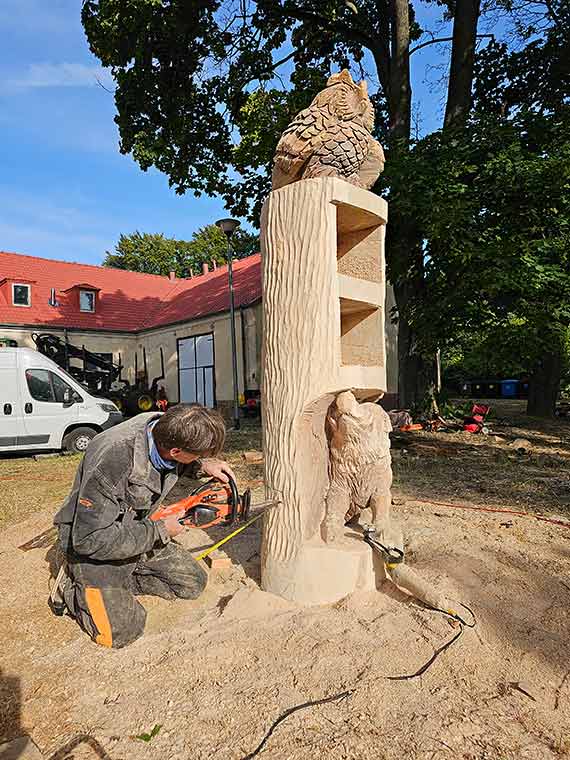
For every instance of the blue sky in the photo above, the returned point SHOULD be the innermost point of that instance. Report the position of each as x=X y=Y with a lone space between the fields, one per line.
x=65 y=190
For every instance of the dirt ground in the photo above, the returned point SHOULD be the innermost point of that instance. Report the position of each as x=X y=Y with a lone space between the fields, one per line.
x=215 y=673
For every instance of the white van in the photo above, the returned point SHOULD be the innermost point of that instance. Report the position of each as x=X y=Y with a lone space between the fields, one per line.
x=42 y=407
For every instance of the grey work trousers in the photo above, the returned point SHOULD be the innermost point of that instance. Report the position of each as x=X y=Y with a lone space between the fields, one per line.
x=101 y=595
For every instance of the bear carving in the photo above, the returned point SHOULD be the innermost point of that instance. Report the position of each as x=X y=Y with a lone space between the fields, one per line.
x=359 y=465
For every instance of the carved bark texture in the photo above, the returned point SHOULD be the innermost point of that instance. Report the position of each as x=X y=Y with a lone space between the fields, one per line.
x=298 y=236
x=311 y=352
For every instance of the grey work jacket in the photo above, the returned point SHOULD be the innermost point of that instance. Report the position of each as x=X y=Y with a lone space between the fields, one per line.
x=105 y=517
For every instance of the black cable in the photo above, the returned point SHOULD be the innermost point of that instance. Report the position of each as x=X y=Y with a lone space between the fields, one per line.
x=290 y=711
x=454 y=615
x=431 y=660
x=345 y=694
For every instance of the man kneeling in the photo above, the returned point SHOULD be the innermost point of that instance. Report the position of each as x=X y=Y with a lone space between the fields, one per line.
x=113 y=550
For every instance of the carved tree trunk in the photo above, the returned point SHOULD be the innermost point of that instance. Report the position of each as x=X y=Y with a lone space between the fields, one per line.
x=298 y=338
x=323 y=312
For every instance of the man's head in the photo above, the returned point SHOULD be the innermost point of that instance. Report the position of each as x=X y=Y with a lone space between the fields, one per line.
x=185 y=433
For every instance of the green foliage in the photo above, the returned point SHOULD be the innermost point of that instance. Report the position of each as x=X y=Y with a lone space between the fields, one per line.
x=493 y=204
x=478 y=236
x=198 y=91
x=157 y=254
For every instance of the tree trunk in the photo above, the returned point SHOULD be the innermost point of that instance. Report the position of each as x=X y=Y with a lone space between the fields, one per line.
x=400 y=96
x=413 y=371
x=403 y=241
x=462 y=60
x=544 y=385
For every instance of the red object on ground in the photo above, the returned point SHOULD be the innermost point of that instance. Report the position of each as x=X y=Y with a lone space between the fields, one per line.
x=475 y=423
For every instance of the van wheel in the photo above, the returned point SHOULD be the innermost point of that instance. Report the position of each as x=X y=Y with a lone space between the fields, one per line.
x=78 y=440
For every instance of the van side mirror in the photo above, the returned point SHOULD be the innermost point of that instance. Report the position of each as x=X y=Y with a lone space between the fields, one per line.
x=68 y=397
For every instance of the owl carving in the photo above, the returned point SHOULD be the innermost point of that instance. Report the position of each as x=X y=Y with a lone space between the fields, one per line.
x=331 y=138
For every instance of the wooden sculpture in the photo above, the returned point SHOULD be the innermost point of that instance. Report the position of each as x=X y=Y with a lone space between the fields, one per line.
x=324 y=308
x=359 y=465
x=331 y=138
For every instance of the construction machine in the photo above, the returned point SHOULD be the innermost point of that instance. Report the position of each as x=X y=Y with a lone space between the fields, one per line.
x=102 y=376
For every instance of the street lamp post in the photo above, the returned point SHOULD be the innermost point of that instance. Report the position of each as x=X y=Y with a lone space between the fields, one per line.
x=228 y=227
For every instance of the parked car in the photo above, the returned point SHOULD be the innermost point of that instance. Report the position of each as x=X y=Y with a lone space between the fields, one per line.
x=44 y=408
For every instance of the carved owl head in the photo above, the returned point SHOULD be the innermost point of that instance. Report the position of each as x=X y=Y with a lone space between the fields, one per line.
x=351 y=100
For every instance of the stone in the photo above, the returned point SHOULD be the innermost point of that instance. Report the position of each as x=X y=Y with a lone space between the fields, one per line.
x=331 y=138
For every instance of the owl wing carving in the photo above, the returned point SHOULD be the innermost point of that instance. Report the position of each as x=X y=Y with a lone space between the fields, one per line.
x=308 y=131
x=331 y=138
x=341 y=154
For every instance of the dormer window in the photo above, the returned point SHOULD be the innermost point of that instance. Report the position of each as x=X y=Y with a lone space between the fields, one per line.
x=21 y=294
x=87 y=300
x=83 y=296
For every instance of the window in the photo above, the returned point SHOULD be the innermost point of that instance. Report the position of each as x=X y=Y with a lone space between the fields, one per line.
x=196 y=369
x=87 y=300
x=39 y=384
x=60 y=387
x=21 y=294
x=47 y=386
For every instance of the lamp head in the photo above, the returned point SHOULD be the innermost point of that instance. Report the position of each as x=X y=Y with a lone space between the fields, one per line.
x=228 y=226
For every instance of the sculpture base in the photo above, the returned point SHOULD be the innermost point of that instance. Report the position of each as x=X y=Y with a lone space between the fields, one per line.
x=323 y=573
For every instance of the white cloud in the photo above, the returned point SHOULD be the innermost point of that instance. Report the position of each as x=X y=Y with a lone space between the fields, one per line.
x=65 y=225
x=55 y=75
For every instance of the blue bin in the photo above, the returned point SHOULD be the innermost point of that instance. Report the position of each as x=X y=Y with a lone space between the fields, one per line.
x=510 y=388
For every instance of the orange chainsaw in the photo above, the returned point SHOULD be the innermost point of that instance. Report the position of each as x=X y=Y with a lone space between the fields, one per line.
x=214 y=503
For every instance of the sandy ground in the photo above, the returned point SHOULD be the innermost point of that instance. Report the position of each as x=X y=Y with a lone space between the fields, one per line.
x=216 y=673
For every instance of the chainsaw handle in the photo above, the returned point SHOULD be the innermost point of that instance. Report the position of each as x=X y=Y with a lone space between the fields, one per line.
x=183 y=506
x=235 y=498
x=178 y=507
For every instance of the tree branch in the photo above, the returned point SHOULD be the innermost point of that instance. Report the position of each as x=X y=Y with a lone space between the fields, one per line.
x=350 y=32
x=443 y=39
x=283 y=60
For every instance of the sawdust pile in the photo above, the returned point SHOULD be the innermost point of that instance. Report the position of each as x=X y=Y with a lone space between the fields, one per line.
x=214 y=674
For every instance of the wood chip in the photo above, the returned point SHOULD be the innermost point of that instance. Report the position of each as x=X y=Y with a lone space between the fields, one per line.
x=252 y=457
x=523 y=687
x=218 y=561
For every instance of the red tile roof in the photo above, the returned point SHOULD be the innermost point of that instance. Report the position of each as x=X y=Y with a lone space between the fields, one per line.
x=126 y=301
